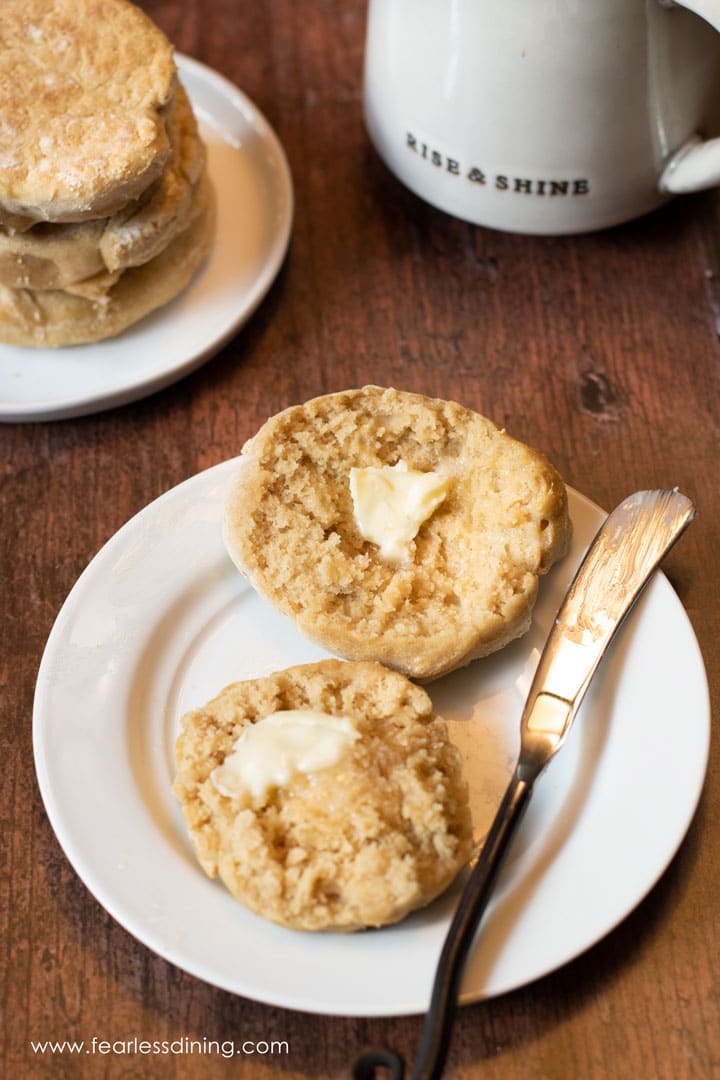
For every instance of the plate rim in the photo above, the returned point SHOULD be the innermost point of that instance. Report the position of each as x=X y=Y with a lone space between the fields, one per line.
x=103 y=896
x=105 y=399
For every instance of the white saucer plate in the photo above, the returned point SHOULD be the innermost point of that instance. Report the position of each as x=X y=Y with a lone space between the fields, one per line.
x=160 y=621
x=255 y=208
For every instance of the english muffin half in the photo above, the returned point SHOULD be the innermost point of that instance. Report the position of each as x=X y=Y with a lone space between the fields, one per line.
x=397 y=528
x=326 y=796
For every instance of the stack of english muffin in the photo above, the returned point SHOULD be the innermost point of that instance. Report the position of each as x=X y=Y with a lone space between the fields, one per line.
x=106 y=209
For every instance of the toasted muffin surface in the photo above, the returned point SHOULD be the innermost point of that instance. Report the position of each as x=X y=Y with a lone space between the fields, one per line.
x=470 y=581
x=361 y=843
x=85 y=85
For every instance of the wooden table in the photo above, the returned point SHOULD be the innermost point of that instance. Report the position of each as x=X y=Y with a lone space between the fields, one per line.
x=601 y=350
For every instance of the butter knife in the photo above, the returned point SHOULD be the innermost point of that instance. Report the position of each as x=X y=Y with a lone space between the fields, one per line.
x=623 y=556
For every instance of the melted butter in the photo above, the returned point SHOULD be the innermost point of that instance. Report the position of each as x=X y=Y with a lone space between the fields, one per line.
x=271 y=752
x=392 y=502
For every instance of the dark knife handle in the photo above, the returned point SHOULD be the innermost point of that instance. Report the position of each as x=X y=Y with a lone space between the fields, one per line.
x=435 y=1041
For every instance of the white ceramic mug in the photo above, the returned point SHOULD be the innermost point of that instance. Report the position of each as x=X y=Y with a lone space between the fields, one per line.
x=545 y=116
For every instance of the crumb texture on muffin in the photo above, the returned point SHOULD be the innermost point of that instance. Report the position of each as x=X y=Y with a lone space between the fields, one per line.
x=470 y=580
x=360 y=843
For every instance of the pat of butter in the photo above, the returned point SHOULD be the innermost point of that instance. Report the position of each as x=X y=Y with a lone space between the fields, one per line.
x=269 y=753
x=392 y=502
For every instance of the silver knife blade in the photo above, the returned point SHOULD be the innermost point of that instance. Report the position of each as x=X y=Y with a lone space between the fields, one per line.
x=626 y=550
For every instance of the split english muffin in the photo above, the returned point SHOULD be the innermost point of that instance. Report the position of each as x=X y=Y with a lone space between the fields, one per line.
x=397 y=528
x=325 y=796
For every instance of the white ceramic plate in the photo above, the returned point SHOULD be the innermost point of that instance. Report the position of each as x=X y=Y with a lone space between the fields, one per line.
x=255 y=207
x=160 y=621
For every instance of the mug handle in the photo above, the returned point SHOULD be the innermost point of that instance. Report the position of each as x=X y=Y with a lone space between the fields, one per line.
x=696 y=165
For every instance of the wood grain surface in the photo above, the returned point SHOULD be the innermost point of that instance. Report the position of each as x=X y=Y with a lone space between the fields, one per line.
x=601 y=350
